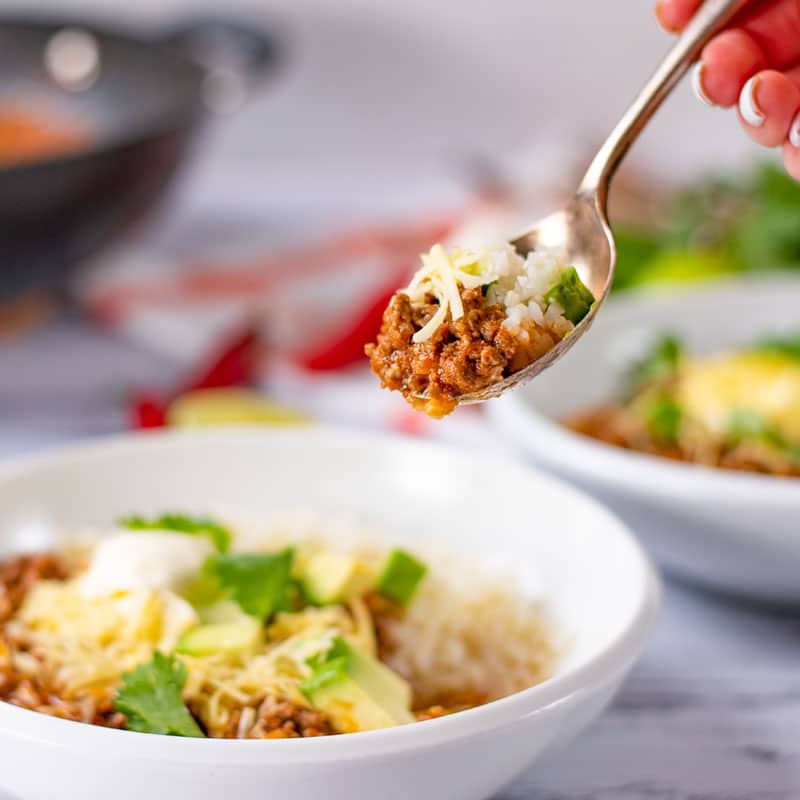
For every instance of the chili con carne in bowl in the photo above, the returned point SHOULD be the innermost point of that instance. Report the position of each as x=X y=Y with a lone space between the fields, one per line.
x=680 y=411
x=584 y=600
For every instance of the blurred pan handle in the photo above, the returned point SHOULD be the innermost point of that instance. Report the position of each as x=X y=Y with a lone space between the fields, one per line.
x=237 y=58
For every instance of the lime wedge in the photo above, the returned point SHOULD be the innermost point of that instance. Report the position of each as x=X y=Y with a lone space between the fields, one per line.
x=210 y=407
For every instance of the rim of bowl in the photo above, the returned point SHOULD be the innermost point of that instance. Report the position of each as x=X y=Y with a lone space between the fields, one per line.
x=606 y=664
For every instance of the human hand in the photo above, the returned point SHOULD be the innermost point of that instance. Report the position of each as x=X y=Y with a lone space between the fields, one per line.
x=755 y=65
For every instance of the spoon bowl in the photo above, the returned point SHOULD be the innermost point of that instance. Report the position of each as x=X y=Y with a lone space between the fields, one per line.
x=582 y=236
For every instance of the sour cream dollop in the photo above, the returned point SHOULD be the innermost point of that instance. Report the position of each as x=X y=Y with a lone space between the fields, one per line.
x=131 y=560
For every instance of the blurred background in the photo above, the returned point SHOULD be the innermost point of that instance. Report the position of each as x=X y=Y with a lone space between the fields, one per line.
x=200 y=195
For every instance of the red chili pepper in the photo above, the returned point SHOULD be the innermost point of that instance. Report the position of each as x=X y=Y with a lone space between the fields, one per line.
x=234 y=365
x=147 y=411
x=347 y=347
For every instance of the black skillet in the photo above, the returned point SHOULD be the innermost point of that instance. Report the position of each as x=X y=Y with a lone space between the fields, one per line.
x=144 y=98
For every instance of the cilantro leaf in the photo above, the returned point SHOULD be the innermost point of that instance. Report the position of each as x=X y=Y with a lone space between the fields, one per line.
x=744 y=424
x=741 y=223
x=663 y=417
x=572 y=295
x=219 y=535
x=659 y=362
x=329 y=666
x=784 y=345
x=151 y=698
x=259 y=583
x=634 y=248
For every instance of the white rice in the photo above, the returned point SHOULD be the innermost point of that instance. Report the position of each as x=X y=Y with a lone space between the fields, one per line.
x=521 y=286
x=467 y=631
x=518 y=284
x=470 y=629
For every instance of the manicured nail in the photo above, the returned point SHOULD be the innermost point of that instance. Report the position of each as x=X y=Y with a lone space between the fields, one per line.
x=697 y=84
x=794 y=132
x=748 y=107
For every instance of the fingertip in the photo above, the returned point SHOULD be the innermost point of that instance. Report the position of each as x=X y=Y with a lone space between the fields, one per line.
x=666 y=17
x=768 y=104
x=673 y=15
x=791 y=160
x=729 y=60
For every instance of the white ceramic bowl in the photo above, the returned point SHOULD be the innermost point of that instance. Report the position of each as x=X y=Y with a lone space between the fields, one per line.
x=597 y=584
x=732 y=531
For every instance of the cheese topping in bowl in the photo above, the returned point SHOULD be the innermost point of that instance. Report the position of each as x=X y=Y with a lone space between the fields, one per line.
x=739 y=410
x=175 y=626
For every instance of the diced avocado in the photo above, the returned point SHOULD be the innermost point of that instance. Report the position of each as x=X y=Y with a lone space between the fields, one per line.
x=225 y=637
x=221 y=612
x=572 y=295
x=202 y=590
x=358 y=692
x=400 y=577
x=332 y=578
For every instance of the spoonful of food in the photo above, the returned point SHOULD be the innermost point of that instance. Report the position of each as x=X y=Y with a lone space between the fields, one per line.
x=471 y=325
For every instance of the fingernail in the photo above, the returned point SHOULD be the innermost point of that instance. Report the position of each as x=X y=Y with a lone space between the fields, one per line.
x=697 y=84
x=794 y=132
x=748 y=107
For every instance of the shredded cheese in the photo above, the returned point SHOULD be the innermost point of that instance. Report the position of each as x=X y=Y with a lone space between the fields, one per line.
x=440 y=275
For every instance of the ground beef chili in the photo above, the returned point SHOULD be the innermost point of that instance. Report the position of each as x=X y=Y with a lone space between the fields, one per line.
x=616 y=426
x=34 y=690
x=462 y=357
x=277 y=719
x=384 y=614
x=22 y=688
x=18 y=575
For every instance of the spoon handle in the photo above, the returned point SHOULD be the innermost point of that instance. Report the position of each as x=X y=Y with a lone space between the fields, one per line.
x=709 y=19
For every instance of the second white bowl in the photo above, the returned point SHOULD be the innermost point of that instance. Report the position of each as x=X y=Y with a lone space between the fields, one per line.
x=732 y=531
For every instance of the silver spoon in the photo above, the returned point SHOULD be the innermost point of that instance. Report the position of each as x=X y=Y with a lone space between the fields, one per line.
x=581 y=231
